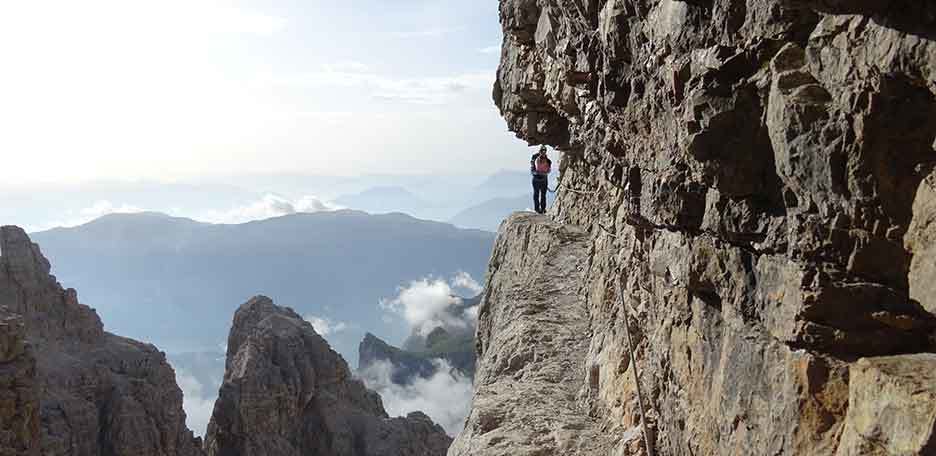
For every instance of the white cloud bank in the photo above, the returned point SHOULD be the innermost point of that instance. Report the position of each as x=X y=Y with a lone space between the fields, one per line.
x=270 y=205
x=196 y=401
x=80 y=217
x=464 y=281
x=325 y=326
x=427 y=304
x=445 y=397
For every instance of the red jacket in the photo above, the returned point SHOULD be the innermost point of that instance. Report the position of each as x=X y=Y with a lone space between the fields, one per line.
x=533 y=166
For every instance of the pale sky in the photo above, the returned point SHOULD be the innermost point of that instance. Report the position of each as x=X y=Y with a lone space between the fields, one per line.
x=176 y=89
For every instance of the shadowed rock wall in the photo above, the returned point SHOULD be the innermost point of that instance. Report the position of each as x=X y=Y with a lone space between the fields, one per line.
x=19 y=389
x=287 y=393
x=74 y=389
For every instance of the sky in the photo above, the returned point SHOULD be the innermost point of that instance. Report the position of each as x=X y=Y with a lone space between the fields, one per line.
x=186 y=89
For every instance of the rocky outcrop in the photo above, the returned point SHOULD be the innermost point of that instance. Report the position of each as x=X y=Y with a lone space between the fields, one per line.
x=98 y=394
x=758 y=177
x=891 y=406
x=287 y=393
x=534 y=340
x=406 y=366
x=19 y=389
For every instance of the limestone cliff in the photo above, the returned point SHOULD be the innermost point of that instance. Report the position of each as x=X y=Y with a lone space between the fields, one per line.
x=69 y=388
x=748 y=186
x=287 y=393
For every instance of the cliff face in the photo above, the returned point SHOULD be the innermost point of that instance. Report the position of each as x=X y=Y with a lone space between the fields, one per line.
x=287 y=393
x=752 y=188
x=19 y=392
x=97 y=394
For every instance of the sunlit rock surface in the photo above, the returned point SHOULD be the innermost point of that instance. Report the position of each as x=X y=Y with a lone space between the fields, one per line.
x=758 y=175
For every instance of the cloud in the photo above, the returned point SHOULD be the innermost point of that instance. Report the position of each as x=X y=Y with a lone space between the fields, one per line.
x=432 y=32
x=445 y=396
x=423 y=305
x=270 y=205
x=428 y=303
x=490 y=49
x=464 y=281
x=472 y=313
x=81 y=216
x=325 y=326
x=235 y=20
x=198 y=407
x=105 y=207
x=436 y=90
x=430 y=90
x=347 y=66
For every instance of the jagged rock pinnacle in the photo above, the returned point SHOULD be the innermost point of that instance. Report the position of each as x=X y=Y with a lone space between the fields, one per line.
x=286 y=392
x=99 y=393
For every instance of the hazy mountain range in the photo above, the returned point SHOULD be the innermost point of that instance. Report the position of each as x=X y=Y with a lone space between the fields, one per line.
x=239 y=199
x=175 y=281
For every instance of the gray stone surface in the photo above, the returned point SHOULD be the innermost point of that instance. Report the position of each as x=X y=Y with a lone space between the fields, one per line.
x=287 y=393
x=533 y=342
x=755 y=174
x=98 y=394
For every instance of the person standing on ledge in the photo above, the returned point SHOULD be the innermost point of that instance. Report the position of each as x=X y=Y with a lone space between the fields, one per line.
x=540 y=166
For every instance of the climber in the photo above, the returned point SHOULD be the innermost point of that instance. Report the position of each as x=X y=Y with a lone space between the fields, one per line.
x=540 y=166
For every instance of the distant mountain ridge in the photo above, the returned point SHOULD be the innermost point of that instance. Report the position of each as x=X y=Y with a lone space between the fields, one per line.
x=171 y=280
x=416 y=357
x=384 y=199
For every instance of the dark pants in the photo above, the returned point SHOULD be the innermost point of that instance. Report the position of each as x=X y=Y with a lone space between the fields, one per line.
x=540 y=185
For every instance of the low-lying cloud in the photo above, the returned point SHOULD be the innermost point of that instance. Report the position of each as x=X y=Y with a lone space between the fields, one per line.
x=325 y=326
x=270 y=205
x=445 y=396
x=197 y=401
x=267 y=206
x=84 y=215
x=429 y=303
x=463 y=280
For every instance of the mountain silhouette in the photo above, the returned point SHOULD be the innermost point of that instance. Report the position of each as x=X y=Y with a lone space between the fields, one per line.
x=172 y=280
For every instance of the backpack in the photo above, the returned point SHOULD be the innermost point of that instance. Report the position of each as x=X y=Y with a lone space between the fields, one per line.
x=543 y=166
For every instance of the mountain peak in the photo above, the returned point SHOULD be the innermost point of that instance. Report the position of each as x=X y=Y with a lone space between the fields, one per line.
x=21 y=256
x=320 y=407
